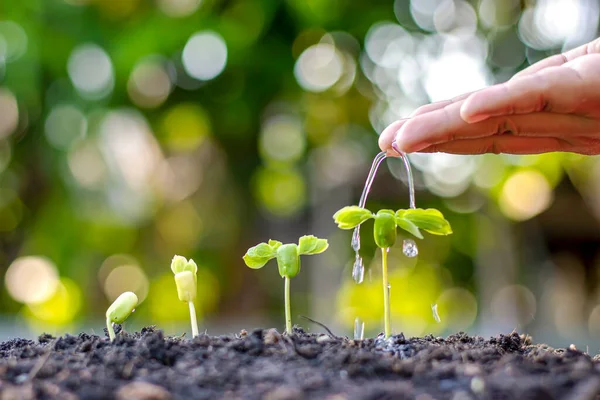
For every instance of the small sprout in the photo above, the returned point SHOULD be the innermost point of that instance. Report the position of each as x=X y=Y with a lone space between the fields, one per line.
x=384 y=233
x=119 y=311
x=186 y=281
x=288 y=262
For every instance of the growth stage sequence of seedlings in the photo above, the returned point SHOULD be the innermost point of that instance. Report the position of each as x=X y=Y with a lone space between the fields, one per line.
x=288 y=259
x=386 y=222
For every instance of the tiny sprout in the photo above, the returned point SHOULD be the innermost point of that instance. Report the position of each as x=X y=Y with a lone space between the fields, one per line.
x=288 y=262
x=185 y=279
x=119 y=311
x=384 y=233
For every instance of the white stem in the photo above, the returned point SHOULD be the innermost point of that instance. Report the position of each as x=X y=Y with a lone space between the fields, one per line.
x=111 y=331
x=193 y=319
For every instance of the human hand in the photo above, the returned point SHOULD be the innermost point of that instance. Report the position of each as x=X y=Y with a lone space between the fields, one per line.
x=554 y=105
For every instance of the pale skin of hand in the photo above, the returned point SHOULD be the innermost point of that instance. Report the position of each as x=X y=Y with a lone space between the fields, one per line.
x=554 y=105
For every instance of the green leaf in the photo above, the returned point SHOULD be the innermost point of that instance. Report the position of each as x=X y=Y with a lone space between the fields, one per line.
x=430 y=220
x=256 y=257
x=409 y=227
x=274 y=244
x=191 y=266
x=311 y=245
x=178 y=264
x=351 y=216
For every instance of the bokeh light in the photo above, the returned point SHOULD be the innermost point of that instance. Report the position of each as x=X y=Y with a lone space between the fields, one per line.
x=87 y=165
x=205 y=55
x=185 y=126
x=61 y=307
x=178 y=8
x=128 y=144
x=525 y=194
x=513 y=305
x=282 y=139
x=149 y=84
x=14 y=40
x=126 y=278
x=9 y=113
x=319 y=67
x=31 y=279
x=64 y=125
x=457 y=308
x=91 y=71
x=281 y=191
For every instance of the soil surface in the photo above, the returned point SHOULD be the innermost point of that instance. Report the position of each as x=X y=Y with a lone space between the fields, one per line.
x=264 y=364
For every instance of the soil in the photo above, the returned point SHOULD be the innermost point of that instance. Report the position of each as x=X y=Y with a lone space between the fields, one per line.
x=264 y=364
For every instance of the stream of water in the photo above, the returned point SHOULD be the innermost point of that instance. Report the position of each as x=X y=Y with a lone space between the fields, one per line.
x=409 y=247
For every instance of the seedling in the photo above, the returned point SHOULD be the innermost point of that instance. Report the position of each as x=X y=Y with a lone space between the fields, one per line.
x=119 y=311
x=185 y=279
x=288 y=262
x=384 y=233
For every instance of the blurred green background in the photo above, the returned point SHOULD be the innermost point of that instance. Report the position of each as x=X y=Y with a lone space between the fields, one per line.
x=133 y=130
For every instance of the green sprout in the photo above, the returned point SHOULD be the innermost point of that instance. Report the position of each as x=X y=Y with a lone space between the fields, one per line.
x=185 y=279
x=384 y=232
x=288 y=262
x=119 y=311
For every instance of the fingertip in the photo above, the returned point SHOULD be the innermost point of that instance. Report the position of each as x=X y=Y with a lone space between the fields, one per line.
x=405 y=141
x=389 y=134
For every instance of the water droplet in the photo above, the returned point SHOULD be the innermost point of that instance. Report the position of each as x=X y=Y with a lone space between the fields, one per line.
x=356 y=239
x=436 y=316
x=359 y=329
x=358 y=270
x=409 y=248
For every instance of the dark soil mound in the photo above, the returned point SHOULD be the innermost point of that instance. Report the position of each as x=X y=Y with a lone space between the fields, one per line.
x=265 y=364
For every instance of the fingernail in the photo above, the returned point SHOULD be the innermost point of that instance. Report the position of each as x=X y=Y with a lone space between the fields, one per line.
x=395 y=147
x=473 y=118
x=389 y=134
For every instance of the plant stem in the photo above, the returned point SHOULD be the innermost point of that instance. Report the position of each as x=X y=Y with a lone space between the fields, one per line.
x=109 y=328
x=288 y=310
x=386 y=294
x=193 y=319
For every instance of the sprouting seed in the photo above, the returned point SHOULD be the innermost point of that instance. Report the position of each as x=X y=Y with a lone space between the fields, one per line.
x=119 y=311
x=186 y=282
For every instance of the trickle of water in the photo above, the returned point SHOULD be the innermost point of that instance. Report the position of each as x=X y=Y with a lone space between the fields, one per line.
x=359 y=329
x=409 y=248
x=356 y=239
x=358 y=270
x=436 y=316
